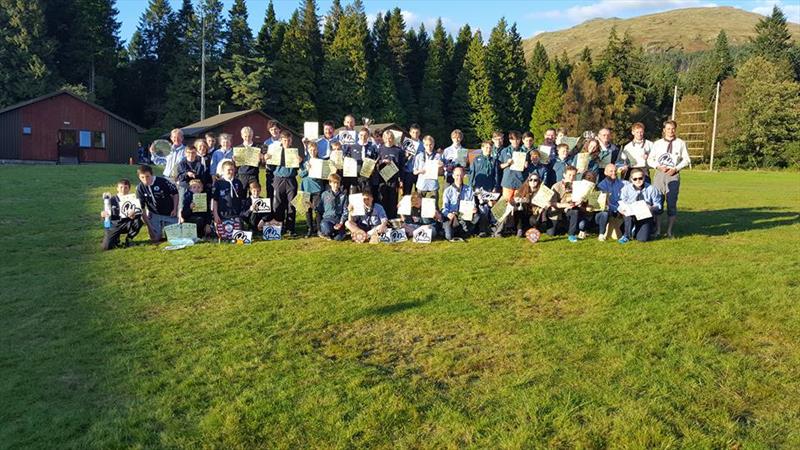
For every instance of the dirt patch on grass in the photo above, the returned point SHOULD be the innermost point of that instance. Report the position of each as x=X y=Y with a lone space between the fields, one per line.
x=445 y=352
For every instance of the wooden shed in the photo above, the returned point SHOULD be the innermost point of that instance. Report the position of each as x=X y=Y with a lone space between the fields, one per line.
x=232 y=123
x=379 y=127
x=62 y=127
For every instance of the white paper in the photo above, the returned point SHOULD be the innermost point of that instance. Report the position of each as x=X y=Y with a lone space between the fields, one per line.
x=274 y=152
x=639 y=209
x=350 y=167
x=347 y=137
x=465 y=208
x=422 y=235
x=428 y=208
x=357 y=202
x=398 y=137
x=431 y=170
x=311 y=130
x=318 y=168
x=519 y=161
x=580 y=189
x=544 y=154
x=404 y=207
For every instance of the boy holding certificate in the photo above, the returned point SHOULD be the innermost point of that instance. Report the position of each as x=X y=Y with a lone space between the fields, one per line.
x=247 y=170
x=127 y=222
x=253 y=215
x=159 y=200
x=426 y=166
x=558 y=164
x=363 y=151
x=460 y=214
x=639 y=202
x=412 y=216
x=512 y=176
x=564 y=203
x=374 y=221
x=332 y=210
x=284 y=186
x=391 y=159
x=454 y=155
x=314 y=188
x=226 y=197
x=195 y=208
x=611 y=186
x=413 y=146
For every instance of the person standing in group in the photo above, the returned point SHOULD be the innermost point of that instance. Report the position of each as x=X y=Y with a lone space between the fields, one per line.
x=609 y=152
x=285 y=187
x=413 y=146
x=426 y=186
x=245 y=173
x=635 y=153
x=450 y=155
x=389 y=153
x=512 y=179
x=669 y=157
x=325 y=141
x=172 y=160
x=225 y=153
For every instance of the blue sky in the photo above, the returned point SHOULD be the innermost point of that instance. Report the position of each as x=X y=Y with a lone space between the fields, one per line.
x=532 y=17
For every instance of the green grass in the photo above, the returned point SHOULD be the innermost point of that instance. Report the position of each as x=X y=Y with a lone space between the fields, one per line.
x=496 y=343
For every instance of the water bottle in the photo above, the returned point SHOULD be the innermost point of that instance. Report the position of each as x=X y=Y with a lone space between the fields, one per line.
x=107 y=208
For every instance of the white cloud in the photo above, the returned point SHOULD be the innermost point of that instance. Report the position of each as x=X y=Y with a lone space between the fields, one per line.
x=413 y=20
x=792 y=11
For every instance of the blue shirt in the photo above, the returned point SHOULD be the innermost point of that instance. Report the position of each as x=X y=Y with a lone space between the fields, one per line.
x=373 y=218
x=512 y=179
x=650 y=195
x=483 y=173
x=613 y=188
x=218 y=156
x=280 y=169
x=172 y=160
x=324 y=146
x=418 y=163
x=453 y=196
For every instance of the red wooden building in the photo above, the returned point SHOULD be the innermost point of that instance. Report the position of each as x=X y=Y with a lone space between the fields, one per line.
x=232 y=123
x=62 y=127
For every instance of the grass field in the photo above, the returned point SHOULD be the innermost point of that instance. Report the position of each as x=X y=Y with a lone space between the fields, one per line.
x=496 y=343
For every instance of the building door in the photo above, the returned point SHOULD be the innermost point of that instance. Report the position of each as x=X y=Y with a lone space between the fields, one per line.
x=68 y=146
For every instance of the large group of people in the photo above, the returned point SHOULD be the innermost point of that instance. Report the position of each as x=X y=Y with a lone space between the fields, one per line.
x=393 y=182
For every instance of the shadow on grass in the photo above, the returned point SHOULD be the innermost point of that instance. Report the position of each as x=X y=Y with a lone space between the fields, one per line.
x=735 y=220
x=394 y=308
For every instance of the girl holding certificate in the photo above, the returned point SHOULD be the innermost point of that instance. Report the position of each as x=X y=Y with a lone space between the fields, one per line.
x=391 y=159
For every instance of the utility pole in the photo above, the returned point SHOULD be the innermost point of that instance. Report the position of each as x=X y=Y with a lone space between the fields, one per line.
x=714 y=129
x=674 y=101
x=203 y=69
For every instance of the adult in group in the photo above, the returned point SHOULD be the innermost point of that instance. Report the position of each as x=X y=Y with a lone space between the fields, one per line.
x=412 y=146
x=325 y=141
x=172 y=160
x=456 y=226
x=669 y=157
x=550 y=141
x=639 y=190
x=635 y=153
x=609 y=152
x=612 y=187
x=389 y=153
x=274 y=136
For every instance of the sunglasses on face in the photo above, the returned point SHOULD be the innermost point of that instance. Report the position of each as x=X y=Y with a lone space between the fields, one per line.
x=637 y=179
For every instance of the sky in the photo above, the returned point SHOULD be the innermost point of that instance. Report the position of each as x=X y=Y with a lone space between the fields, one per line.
x=531 y=17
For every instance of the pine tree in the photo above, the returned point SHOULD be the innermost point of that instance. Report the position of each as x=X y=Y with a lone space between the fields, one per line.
x=722 y=57
x=431 y=95
x=772 y=39
x=309 y=21
x=331 y=26
x=267 y=46
x=238 y=36
x=623 y=60
x=418 y=49
x=344 y=72
x=580 y=100
x=483 y=114
x=586 y=55
x=538 y=67
x=25 y=52
x=517 y=81
x=398 y=64
x=548 y=106
x=454 y=68
x=182 y=104
x=241 y=73
x=384 y=104
x=213 y=21
x=508 y=75
x=295 y=75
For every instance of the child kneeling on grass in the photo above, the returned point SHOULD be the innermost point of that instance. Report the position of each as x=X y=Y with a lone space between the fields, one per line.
x=159 y=200
x=188 y=214
x=226 y=202
x=371 y=225
x=122 y=222
x=251 y=218
x=332 y=210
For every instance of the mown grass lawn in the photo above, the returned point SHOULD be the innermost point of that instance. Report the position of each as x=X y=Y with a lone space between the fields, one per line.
x=495 y=343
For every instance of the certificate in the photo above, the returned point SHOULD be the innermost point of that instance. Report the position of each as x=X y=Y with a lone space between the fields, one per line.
x=337 y=159
x=518 y=163
x=367 y=167
x=602 y=201
x=274 y=153
x=404 y=207
x=389 y=171
x=580 y=189
x=398 y=136
x=431 y=170
x=428 y=208
x=318 y=168
x=129 y=203
x=200 y=202
x=357 y=202
x=461 y=157
x=582 y=162
x=292 y=158
x=570 y=141
x=247 y=156
x=639 y=209
x=181 y=232
x=350 y=167
x=543 y=197
x=301 y=201
x=262 y=205
x=347 y=137
x=465 y=208
x=544 y=154
x=311 y=130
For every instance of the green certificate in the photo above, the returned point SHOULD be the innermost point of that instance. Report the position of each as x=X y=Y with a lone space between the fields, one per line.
x=389 y=171
x=200 y=202
x=247 y=156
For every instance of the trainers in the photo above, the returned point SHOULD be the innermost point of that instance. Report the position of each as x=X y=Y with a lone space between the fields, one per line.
x=581 y=234
x=457 y=239
x=483 y=234
x=324 y=236
x=623 y=240
x=572 y=238
x=601 y=238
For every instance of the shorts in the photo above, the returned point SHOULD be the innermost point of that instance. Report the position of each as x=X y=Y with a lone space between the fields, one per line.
x=158 y=222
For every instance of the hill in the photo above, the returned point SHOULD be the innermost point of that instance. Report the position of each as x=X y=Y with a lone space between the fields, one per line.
x=690 y=29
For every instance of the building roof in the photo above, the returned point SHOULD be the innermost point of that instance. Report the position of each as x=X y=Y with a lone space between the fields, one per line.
x=212 y=122
x=62 y=91
x=377 y=126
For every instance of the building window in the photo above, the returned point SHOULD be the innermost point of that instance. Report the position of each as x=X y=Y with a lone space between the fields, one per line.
x=85 y=139
x=26 y=130
x=98 y=139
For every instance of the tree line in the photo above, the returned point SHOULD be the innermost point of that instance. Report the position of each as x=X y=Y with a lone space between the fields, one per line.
x=318 y=67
